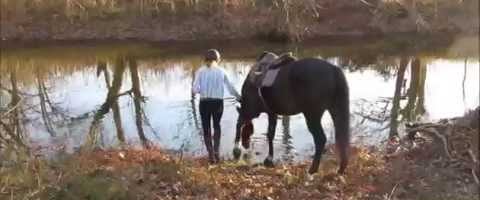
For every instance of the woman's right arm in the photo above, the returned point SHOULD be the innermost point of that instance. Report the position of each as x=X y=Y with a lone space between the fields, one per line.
x=230 y=87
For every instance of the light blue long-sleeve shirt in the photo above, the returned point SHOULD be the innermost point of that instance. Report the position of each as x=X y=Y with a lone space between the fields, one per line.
x=210 y=81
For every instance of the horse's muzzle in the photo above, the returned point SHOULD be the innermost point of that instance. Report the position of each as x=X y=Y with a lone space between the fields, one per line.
x=246 y=132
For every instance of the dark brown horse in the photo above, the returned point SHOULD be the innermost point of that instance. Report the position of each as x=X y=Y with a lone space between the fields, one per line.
x=309 y=86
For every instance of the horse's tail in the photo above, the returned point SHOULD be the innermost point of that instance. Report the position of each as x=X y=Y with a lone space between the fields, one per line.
x=341 y=118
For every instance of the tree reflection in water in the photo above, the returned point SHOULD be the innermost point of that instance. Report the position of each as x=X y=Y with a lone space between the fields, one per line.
x=388 y=111
x=287 y=140
x=396 y=97
x=117 y=118
x=138 y=100
x=114 y=94
x=415 y=95
x=12 y=133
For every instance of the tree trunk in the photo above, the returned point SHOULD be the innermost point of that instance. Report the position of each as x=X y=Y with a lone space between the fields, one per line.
x=397 y=97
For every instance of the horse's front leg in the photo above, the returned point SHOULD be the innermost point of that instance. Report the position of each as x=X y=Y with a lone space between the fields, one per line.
x=237 y=152
x=272 y=125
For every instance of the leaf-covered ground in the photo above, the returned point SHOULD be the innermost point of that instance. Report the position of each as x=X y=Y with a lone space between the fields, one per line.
x=441 y=162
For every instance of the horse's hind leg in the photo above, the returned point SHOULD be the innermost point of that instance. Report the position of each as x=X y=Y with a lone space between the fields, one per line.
x=315 y=128
x=340 y=117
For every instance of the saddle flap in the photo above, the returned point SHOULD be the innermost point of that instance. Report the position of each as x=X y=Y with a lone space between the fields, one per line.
x=270 y=77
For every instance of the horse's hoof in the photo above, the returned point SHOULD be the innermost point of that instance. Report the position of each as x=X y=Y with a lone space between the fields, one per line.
x=309 y=177
x=312 y=171
x=246 y=156
x=237 y=153
x=268 y=162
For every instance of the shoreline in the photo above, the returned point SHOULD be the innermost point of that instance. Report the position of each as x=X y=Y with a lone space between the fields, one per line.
x=325 y=40
x=156 y=174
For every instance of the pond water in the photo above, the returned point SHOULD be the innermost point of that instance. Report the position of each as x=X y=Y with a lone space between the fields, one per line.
x=55 y=94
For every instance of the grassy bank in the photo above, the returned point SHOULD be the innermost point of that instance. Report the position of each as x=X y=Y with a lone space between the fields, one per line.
x=152 y=174
x=279 y=20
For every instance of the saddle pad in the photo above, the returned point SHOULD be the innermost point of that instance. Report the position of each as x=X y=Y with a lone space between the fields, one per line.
x=270 y=77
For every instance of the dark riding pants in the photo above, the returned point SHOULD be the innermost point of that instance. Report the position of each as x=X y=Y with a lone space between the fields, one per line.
x=211 y=109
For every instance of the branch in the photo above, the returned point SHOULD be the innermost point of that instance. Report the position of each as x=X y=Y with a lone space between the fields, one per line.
x=11 y=133
x=367 y=3
x=12 y=108
x=21 y=93
x=129 y=92
x=422 y=127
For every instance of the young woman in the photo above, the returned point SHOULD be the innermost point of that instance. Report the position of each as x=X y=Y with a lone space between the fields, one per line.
x=209 y=83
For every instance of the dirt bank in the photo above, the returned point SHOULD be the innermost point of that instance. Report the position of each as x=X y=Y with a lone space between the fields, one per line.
x=154 y=20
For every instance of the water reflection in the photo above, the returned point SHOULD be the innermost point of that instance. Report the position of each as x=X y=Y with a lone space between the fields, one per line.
x=111 y=102
x=45 y=103
x=11 y=118
x=399 y=85
x=102 y=68
x=143 y=97
x=288 y=153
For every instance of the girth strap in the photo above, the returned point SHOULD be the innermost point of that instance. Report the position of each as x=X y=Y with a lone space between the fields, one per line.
x=263 y=100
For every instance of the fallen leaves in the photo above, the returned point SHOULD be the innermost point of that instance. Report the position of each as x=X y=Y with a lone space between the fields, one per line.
x=402 y=171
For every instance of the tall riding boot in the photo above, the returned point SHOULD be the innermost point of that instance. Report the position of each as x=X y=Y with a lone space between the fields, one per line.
x=216 y=145
x=207 y=137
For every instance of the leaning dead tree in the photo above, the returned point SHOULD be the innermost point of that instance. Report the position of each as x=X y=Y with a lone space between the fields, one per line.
x=458 y=139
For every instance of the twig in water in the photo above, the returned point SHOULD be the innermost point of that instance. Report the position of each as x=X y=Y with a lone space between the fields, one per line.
x=367 y=3
x=392 y=192
x=12 y=108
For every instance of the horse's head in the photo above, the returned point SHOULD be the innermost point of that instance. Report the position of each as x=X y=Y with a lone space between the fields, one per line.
x=247 y=131
x=244 y=128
